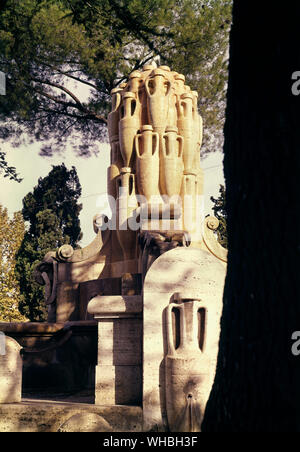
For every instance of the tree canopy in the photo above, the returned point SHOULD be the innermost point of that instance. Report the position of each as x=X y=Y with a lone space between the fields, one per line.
x=11 y=235
x=220 y=212
x=62 y=58
x=52 y=211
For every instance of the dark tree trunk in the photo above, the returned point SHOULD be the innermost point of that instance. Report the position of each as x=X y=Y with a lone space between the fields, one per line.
x=257 y=385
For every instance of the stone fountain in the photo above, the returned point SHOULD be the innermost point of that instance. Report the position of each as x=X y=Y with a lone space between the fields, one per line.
x=152 y=279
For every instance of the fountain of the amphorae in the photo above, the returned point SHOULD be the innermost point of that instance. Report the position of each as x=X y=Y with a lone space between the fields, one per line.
x=153 y=277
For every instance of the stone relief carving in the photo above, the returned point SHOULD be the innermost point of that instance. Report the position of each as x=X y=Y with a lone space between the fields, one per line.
x=210 y=225
x=46 y=274
x=187 y=365
x=155 y=133
x=155 y=243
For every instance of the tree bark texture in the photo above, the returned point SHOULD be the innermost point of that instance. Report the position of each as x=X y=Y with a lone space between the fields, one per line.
x=257 y=384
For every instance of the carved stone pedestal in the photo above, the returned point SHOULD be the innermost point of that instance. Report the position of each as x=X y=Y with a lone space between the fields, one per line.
x=10 y=370
x=119 y=368
x=179 y=271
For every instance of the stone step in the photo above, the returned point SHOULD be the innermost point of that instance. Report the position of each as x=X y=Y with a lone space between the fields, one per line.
x=52 y=416
x=115 y=305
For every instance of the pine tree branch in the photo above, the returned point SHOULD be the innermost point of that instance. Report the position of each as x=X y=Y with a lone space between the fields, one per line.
x=67 y=74
x=73 y=115
x=62 y=88
x=88 y=113
x=128 y=19
x=134 y=26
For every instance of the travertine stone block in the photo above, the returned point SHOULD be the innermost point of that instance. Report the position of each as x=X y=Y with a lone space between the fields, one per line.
x=90 y=289
x=119 y=369
x=85 y=422
x=103 y=306
x=178 y=271
x=67 y=305
x=10 y=371
x=46 y=416
x=120 y=341
x=118 y=385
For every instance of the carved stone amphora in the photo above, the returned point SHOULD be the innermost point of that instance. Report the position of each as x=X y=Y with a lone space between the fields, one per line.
x=179 y=83
x=147 y=161
x=197 y=119
x=188 y=196
x=128 y=125
x=171 y=162
x=198 y=133
x=185 y=124
x=135 y=82
x=113 y=116
x=126 y=204
x=113 y=172
x=172 y=111
x=187 y=366
x=158 y=89
x=147 y=69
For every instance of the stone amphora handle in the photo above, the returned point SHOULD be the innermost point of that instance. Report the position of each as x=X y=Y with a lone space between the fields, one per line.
x=180 y=141
x=163 y=144
x=154 y=144
x=166 y=151
x=155 y=138
x=171 y=348
x=116 y=101
x=137 y=139
x=129 y=105
x=147 y=87
x=151 y=80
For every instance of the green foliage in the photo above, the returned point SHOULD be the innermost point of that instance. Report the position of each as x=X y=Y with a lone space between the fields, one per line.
x=8 y=171
x=52 y=211
x=219 y=209
x=48 y=46
x=11 y=236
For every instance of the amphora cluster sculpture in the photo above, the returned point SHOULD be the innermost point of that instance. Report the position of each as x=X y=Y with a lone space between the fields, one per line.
x=155 y=133
x=153 y=277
